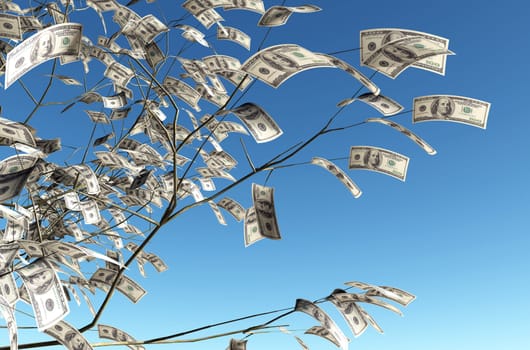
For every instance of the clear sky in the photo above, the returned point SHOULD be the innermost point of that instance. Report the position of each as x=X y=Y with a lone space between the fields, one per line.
x=455 y=233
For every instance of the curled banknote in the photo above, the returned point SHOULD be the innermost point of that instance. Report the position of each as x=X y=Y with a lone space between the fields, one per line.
x=113 y=333
x=325 y=321
x=278 y=15
x=54 y=41
x=261 y=125
x=46 y=293
x=373 y=39
x=339 y=174
x=69 y=336
x=235 y=35
x=276 y=64
x=380 y=160
x=383 y=104
x=394 y=57
x=263 y=200
x=418 y=140
x=457 y=109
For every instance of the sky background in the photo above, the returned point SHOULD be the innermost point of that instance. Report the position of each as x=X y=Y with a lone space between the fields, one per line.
x=455 y=234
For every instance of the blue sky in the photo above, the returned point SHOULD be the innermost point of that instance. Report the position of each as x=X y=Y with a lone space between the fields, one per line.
x=455 y=234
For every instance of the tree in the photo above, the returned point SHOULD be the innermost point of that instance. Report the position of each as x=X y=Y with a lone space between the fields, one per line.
x=152 y=136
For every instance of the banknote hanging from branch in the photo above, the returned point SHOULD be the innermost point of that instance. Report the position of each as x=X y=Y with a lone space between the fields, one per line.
x=158 y=162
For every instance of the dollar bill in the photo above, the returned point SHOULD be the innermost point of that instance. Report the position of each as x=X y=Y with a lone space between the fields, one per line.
x=343 y=296
x=380 y=160
x=90 y=211
x=46 y=293
x=14 y=174
x=69 y=336
x=8 y=287
x=323 y=333
x=153 y=54
x=13 y=132
x=182 y=90
x=217 y=213
x=235 y=35
x=351 y=314
x=321 y=316
x=128 y=287
x=6 y=311
x=418 y=140
x=233 y=207
x=10 y=26
x=370 y=319
x=339 y=174
x=208 y=18
x=252 y=233
x=395 y=57
x=278 y=15
x=250 y=5
x=263 y=202
x=373 y=39
x=260 y=124
x=208 y=173
x=385 y=105
x=120 y=74
x=392 y=293
x=113 y=333
x=52 y=42
x=236 y=344
x=457 y=109
x=276 y=64
x=157 y=262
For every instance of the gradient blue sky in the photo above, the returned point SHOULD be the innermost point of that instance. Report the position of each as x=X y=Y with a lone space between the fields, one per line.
x=455 y=233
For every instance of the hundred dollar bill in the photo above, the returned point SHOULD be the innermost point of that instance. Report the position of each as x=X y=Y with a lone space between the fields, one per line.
x=233 y=207
x=323 y=333
x=263 y=202
x=339 y=174
x=418 y=140
x=260 y=124
x=393 y=58
x=183 y=91
x=6 y=311
x=69 y=336
x=278 y=15
x=46 y=293
x=457 y=109
x=208 y=18
x=128 y=287
x=110 y=332
x=217 y=213
x=14 y=174
x=8 y=287
x=351 y=314
x=321 y=316
x=343 y=296
x=10 y=27
x=380 y=160
x=13 y=132
x=233 y=34
x=250 y=5
x=374 y=39
x=338 y=63
x=236 y=344
x=276 y=64
x=383 y=104
x=54 y=41
x=252 y=233
x=395 y=294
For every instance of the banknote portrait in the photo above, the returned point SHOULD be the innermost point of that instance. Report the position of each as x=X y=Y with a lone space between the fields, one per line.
x=442 y=107
x=40 y=281
x=372 y=159
x=399 y=54
x=43 y=47
x=391 y=36
x=279 y=61
x=75 y=341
